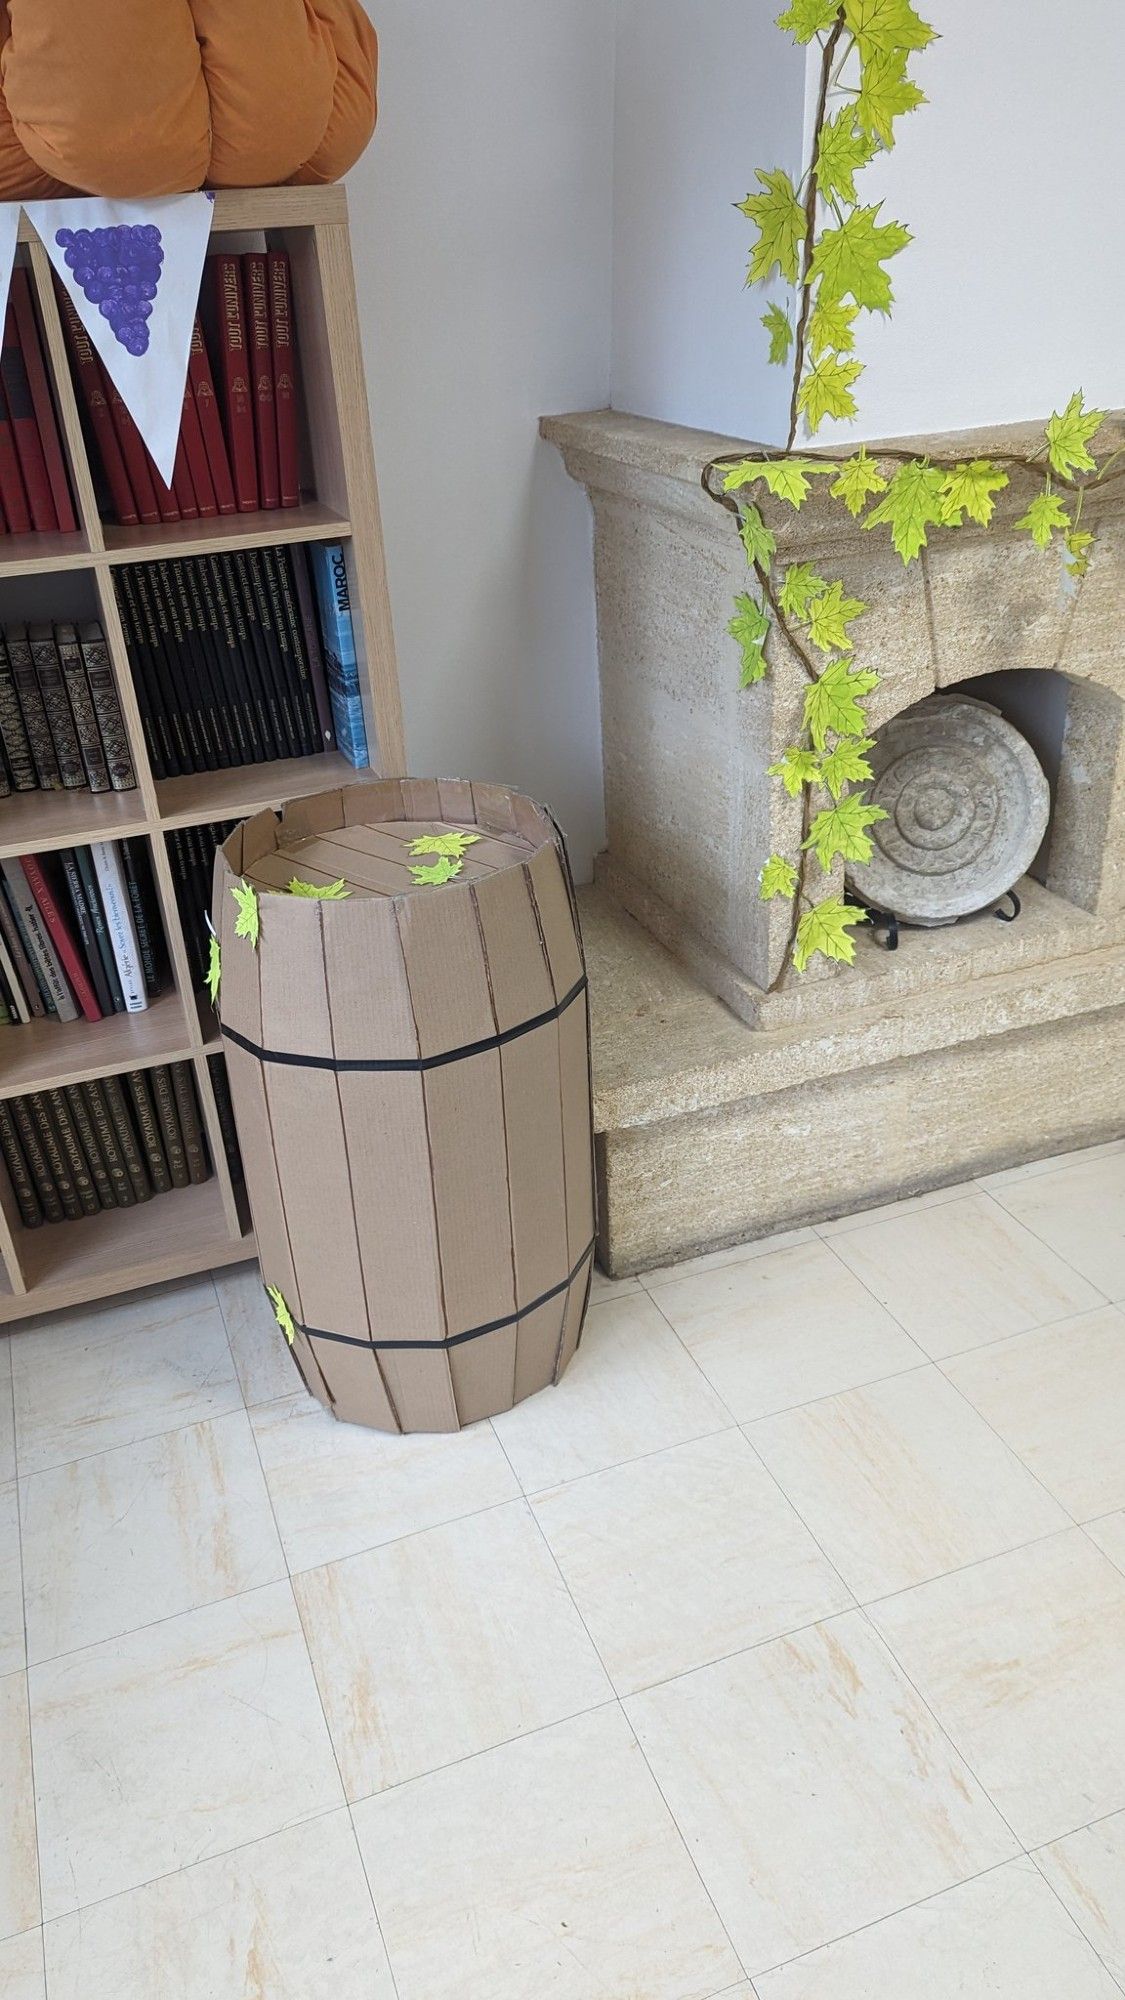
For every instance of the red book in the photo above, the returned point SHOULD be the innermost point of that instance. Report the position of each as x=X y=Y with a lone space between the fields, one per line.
x=11 y=481
x=182 y=488
x=61 y=938
x=210 y=423
x=27 y=328
x=21 y=410
x=166 y=501
x=87 y=373
x=195 y=451
x=261 y=376
x=132 y=451
x=234 y=381
x=284 y=377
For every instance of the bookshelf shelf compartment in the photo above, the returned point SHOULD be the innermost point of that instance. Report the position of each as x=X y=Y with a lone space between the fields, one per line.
x=67 y=1263
x=311 y=522
x=43 y=1054
x=249 y=788
x=31 y=822
x=38 y=555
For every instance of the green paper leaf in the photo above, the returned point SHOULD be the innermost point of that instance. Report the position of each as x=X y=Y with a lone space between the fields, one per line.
x=1045 y=514
x=781 y=226
x=885 y=93
x=282 y=1314
x=806 y=18
x=778 y=878
x=824 y=931
x=859 y=478
x=455 y=845
x=843 y=151
x=786 y=478
x=848 y=261
x=322 y=892
x=847 y=764
x=756 y=537
x=437 y=873
x=912 y=503
x=1068 y=437
x=830 y=327
x=826 y=390
x=801 y=585
x=776 y=323
x=797 y=769
x=248 y=923
x=1078 y=545
x=214 y=970
x=841 y=831
x=829 y=617
x=832 y=702
x=750 y=626
x=969 y=489
x=886 y=27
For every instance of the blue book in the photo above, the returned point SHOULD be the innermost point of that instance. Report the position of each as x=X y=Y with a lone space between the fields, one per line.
x=330 y=581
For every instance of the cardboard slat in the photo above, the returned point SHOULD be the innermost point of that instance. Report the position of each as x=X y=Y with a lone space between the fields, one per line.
x=308 y=1367
x=484 y=1375
x=421 y=798
x=577 y=1125
x=445 y=968
x=356 y=1385
x=493 y=808
x=259 y=836
x=456 y=795
x=318 y=814
x=537 y=1348
x=552 y=896
x=369 y=803
x=577 y=1305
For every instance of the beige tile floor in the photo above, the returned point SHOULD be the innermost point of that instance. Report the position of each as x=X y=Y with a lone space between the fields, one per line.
x=777 y=1655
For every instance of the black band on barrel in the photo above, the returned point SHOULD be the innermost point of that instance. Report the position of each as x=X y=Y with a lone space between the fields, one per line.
x=408 y=1065
x=453 y=1339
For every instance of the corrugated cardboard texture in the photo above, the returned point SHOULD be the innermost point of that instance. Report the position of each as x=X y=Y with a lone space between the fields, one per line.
x=410 y=1077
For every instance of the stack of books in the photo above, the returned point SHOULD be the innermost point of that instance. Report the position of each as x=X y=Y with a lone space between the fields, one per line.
x=227 y=660
x=191 y=850
x=34 y=487
x=107 y=1144
x=238 y=448
x=80 y=933
x=61 y=727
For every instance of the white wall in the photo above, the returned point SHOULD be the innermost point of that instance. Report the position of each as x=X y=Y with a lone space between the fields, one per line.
x=707 y=90
x=482 y=219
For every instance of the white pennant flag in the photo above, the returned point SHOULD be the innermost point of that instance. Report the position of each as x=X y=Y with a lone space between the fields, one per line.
x=133 y=270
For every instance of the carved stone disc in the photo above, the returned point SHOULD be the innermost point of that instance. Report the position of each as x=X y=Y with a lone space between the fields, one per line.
x=967 y=807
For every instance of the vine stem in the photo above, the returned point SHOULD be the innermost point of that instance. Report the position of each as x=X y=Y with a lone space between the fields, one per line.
x=811 y=198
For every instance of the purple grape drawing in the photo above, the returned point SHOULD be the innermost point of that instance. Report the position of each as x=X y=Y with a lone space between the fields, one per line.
x=118 y=270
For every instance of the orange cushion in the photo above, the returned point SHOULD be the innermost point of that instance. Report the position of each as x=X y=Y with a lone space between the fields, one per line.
x=144 y=97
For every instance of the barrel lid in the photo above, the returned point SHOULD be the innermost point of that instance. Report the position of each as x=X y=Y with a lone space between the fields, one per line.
x=381 y=858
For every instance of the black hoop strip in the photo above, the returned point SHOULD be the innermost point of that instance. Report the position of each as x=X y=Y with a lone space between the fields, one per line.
x=453 y=1339
x=409 y=1065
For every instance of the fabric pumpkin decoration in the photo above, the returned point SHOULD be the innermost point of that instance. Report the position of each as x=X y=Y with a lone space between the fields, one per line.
x=146 y=97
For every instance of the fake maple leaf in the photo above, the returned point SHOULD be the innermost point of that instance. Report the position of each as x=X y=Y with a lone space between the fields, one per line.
x=832 y=702
x=781 y=226
x=282 y=1314
x=248 y=923
x=912 y=503
x=323 y=892
x=841 y=831
x=214 y=969
x=848 y=261
x=434 y=875
x=847 y=764
x=826 y=390
x=824 y=931
x=801 y=585
x=778 y=878
x=830 y=327
x=969 y=489
x=1078 y=545
x=885 y=93
x=797 y=769
x=786 y=478
x=1068 y=437
x=750 y=626
x=757 y=540
x=843 y=150
x=806 y=18
x=780 y=332
x=1045 y=514
x=859 y=477
x=455 y=845
x=886 y=26
x=829 y=617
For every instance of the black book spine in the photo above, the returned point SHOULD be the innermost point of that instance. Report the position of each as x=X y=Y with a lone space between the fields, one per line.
x=85 y=865
x=138 y=883
x=13 y=733
x=107 y=706
x=274 y=657
x=171 y=1130
x=81 y=701
x=220 y=1084
x=148 y=1131
x=86 y=932
x=23 y=1187
x=77 y=1163
x=52 y=1148
x=227 y=721
x=34 y=713
x=21 y=961
x=60 y=720
x=283 y=616
x=124 y=1194
x=187 y=689
x=88 y=1138
x=127 y=1139
x=197 y=665
x=38 y=1165
x=169 y=699
x=177 y=855
x=11 y=905
x=229 y=666
x=154 y=722
x=252 y=649
x=304 y=634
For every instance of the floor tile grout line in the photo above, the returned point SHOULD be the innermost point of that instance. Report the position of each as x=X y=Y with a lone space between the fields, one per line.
x=615 y=1465
x=1068 y=1261
x=964 y=1569
x=911 y=1205
x=1021 y=1332
x=1033 y=1856
x=1084 y=1529
x=1017 y=1456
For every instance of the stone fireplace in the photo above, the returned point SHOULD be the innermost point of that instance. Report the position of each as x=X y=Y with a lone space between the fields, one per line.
x=971 y=1048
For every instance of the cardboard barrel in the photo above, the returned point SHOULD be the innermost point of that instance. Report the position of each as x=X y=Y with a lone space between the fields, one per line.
x=410 y=1074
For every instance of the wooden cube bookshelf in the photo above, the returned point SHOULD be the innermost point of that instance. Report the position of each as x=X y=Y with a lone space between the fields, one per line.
x=197 y=1228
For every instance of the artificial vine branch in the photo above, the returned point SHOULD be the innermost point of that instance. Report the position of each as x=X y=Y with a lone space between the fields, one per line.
x=811 y=199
